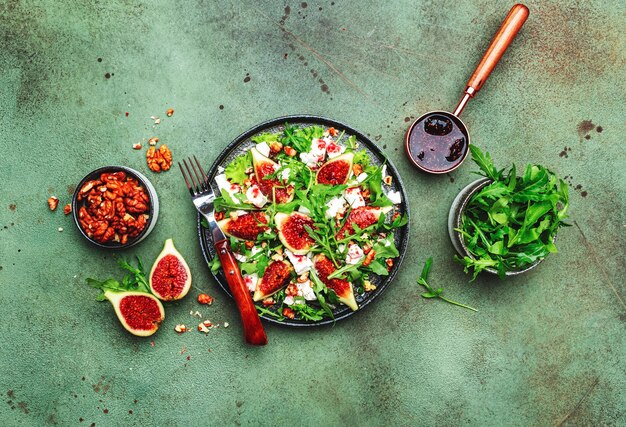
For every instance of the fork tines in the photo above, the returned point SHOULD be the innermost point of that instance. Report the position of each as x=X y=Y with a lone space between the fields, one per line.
x=199 y=180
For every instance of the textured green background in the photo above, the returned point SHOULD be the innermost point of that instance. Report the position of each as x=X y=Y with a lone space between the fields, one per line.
x=545 y=349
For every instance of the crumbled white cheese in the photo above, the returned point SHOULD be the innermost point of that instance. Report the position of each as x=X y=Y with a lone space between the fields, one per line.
x=305 y=290
x=354 y=197
x=304 y=210
x=224 y=185
x=255 y=250
x=240 y=257
x=333 y=150
x=263 y=148
x=220 y=169
x=284 y=174
x=317 y=153
x=383 y=171
x=335 y=205
x=362 y=177
x=355 y=254
x=250 y=281
x=255 y=196
x=395 y=197
x=288 y=300
x=301 y=263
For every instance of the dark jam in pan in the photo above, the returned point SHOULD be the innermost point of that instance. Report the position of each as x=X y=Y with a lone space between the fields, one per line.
x=437 y=143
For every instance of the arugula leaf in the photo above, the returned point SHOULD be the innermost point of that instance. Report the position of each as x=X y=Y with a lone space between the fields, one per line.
x=135 y=281
x=235 y=171
x=265 y=137
x=511 y=223
x=435 y=293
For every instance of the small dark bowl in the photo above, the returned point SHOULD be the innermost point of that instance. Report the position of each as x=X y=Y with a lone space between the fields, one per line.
x=454 y=221
x=152 y=196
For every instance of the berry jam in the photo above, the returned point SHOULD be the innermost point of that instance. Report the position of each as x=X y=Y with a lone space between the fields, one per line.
x=438 y=142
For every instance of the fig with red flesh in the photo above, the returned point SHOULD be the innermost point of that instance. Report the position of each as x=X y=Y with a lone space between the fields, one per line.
x=277 y=275
x=324 y=267
x=245 y=227
x=292 y=231
x=139 y=312
x=272 y=188
x=170 y=277
x=363 y=216
x=336 y=171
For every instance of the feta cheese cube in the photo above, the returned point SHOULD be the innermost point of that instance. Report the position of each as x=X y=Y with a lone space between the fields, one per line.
x=305 y=290
x=255 y=196
x=362 y=177
x=335 y=206
x=263 y=148
x=354 y=197
x=395 y=197
x=355 y=254
x=301 y=263
x=250 y=280
x=224 y=185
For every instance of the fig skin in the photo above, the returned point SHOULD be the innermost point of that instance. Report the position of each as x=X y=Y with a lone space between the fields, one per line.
x=115 y=298
x=259 y=217
x=327 y=177
x=277 y=271
x=363 y=217
x=324 y=268
x=265 y=166
x=282 y=220
x=169 y=249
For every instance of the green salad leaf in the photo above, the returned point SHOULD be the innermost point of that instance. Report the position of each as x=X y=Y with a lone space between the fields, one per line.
x=236 y=170
x=435 y=293
x=511 y=222
x=136 y=280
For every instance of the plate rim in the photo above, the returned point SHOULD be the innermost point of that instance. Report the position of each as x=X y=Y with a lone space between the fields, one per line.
x=372 y=147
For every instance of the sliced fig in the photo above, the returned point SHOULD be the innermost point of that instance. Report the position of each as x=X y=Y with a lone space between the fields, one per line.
x=292 y=231
x=336 y=171
x=277 y=275
x=245 y=227
x=363 y=217
x=264 y=166
x=170 y=277
x=139 y=312
x=324 y=267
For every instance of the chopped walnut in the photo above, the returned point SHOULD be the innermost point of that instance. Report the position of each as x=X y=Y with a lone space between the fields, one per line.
x=153 y=141
x=357 y=169
x=137 y=146
x=369 y=258
x=388 y=179
x=180 y=328
x=290 y=151
x=205 y=299
x=368 y=286
x=67 y=209
x=159 y=160
x=53 y=202
x=288 y=312
x=169 y=112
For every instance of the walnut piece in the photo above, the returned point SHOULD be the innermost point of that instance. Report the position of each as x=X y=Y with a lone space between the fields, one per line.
x=159 y=159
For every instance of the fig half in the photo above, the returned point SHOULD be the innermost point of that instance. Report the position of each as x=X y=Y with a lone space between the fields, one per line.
x=363 y=216
x=324 y=267
x=139 y=312
x=292 y=232
x=245 y=227
x=277 y=275
x=336 y=171
x=272 y=188
x=170 y=277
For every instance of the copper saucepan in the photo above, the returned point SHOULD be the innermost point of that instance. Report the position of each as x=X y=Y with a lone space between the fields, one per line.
x=438 y=141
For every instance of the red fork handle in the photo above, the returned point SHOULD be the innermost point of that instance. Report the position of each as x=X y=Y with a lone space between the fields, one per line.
x=252 y=328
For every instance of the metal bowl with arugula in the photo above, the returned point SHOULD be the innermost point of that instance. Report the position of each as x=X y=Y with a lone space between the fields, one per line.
x=507 y=224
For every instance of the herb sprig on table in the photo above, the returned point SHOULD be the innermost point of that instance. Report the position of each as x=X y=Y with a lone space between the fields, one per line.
x=135 y=281
x=511 y=223
x=436 y=293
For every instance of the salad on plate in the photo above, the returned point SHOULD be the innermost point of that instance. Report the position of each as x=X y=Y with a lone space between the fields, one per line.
x=310 y=219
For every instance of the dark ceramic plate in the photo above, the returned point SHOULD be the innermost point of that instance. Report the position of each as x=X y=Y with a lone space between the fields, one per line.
x=243 y=142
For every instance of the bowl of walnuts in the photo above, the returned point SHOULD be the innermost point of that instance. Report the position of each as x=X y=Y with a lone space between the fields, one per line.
x=115 y=207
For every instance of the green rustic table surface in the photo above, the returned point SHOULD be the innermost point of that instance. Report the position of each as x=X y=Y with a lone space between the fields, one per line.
x=546 y=348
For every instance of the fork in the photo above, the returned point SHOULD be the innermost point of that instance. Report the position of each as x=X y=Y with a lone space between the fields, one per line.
x=203 y=197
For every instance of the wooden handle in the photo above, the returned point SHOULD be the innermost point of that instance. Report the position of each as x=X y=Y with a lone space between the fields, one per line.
x=503 y=38
x=252 y=328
